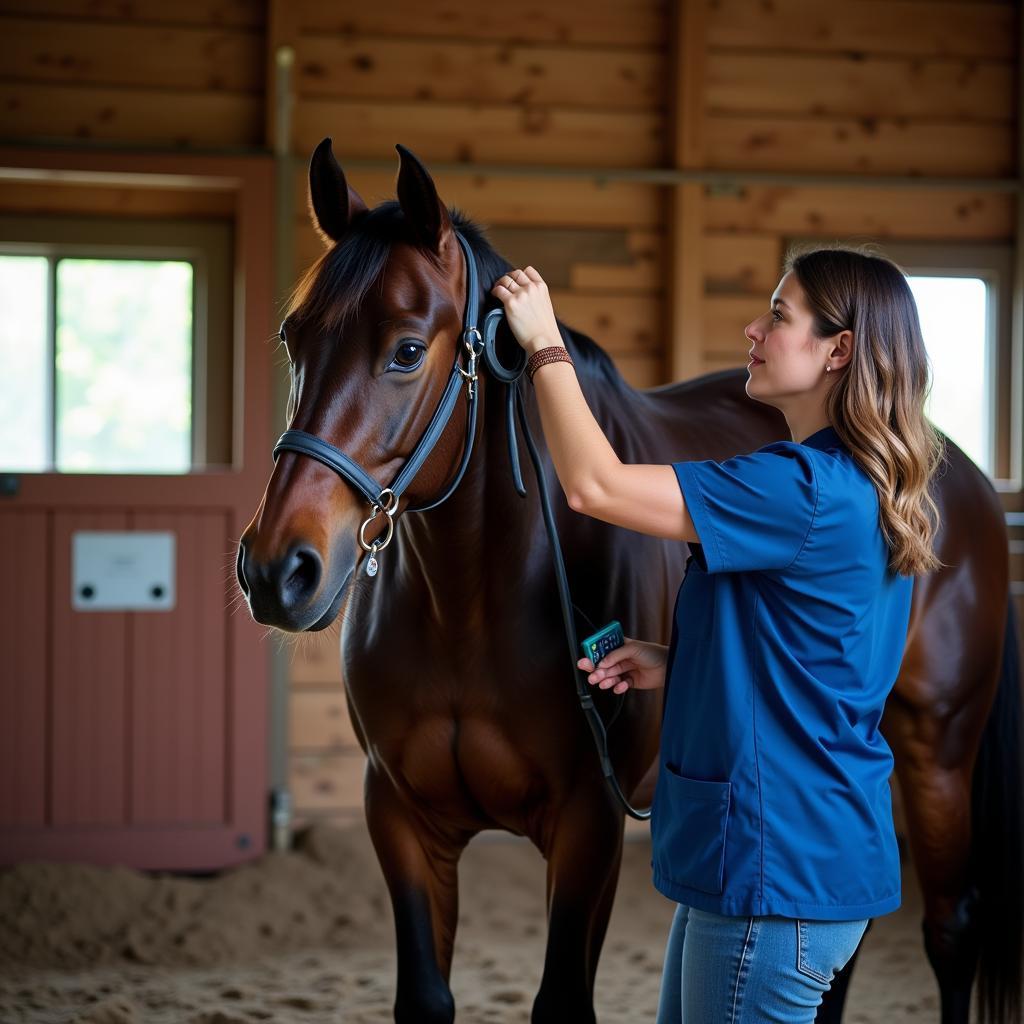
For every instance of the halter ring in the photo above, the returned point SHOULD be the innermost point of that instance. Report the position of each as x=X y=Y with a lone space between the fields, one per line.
x=377 y=543
x=388 y=507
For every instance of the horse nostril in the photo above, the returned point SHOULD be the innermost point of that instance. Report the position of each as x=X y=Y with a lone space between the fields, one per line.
x=243 y=583
x=300 y=576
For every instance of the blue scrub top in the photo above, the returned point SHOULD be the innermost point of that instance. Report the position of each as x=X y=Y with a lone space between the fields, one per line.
x=773 y=794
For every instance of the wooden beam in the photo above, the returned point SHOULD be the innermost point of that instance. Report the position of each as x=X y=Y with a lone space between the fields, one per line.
x=282 y=40
x=685 y=228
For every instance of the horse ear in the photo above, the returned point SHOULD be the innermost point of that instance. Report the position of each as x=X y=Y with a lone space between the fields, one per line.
x=332 y=201
x=423 y=209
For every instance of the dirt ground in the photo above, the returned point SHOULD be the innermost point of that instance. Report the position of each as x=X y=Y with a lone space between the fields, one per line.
x=306 y=937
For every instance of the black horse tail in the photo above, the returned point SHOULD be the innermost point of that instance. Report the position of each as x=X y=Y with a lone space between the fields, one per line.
x=997 y=842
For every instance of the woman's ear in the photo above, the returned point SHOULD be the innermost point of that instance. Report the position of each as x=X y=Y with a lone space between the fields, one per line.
x=332 y=201
x=842 y=350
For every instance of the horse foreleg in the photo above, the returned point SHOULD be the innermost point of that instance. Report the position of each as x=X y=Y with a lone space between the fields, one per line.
x=420 y=867
x=583 y=851
x=833 y=1000
x=937 y=805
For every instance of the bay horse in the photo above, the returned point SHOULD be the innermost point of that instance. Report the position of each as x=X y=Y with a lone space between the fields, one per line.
x=452 y=652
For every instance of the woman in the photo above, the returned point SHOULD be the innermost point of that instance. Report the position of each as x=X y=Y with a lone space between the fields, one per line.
x=772 y=823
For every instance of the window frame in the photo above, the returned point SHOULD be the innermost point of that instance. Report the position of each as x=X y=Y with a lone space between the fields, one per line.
x=205 y=244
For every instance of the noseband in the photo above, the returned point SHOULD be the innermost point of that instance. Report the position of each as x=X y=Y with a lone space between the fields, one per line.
x=475 y=342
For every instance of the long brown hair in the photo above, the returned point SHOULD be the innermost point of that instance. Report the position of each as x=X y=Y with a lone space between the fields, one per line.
x=876 y=403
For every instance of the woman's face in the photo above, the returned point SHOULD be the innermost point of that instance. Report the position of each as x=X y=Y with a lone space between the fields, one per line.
x=788 y=361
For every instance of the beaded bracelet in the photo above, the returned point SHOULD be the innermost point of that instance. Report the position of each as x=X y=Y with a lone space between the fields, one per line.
x=551 y=354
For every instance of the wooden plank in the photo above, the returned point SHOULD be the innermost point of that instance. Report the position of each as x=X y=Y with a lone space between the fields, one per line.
x=75 y=112
x=831 y=213
x=644 y=275
x=484 y=133
x=642 y=370
x=642 y=278
x=30 y=197
x=282 y=35
x=24 y=692
x=346 y=818
x=326 y=781
x=106 y=54
x=554 y=251
x=868 y=146
x=686 y=281
x=600 y=22
x=724 y=318
x=689 y=56
x=89 y=710
x=620 y=324
x=685 y=203
x=712 y=362
x=467 y=71
x=227 y=13
x=513 y=200
x=525 y=203
x=315 y=663
x=179 y=677
x=742 y=264
x=851 y=85
x=938 y=28
x=320 y=719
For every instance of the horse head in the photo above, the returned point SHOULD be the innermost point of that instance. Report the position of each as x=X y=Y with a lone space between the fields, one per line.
x=373 y=334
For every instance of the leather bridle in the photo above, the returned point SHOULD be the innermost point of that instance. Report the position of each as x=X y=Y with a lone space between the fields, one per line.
x=476 y=342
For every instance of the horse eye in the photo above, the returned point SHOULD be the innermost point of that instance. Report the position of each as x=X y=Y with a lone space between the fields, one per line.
x=408 y=356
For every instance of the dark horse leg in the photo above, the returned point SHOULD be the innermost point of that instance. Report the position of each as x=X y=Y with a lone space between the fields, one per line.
x=937 y=805
x=833 y=1000
x=584 y=852
x=420 y=864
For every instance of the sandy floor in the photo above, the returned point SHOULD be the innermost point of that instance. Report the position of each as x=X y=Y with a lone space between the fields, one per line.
x=306 y=937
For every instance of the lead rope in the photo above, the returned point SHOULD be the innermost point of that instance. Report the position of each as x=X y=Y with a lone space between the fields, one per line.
x=597 y=726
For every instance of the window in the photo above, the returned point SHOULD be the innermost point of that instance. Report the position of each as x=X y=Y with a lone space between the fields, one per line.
x=957 y=329
x=116 y=353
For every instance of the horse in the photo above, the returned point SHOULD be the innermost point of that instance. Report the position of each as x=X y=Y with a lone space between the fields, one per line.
x=450 y=638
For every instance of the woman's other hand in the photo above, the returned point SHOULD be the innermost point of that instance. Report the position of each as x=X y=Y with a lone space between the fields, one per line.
x=528 y=309
x=635 y=664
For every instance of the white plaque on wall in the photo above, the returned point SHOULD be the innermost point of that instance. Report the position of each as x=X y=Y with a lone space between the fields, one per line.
x=122 y=571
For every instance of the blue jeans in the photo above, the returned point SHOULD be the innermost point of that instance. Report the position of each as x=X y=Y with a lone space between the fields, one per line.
x=742 y=970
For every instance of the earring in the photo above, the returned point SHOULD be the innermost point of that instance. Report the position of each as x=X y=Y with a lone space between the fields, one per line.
x=828 y=369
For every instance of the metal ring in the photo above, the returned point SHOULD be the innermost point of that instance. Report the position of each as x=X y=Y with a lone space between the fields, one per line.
x=388 y=508
x=379 y=543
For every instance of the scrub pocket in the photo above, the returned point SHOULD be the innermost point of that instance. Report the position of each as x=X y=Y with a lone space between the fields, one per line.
x=825 y=947
x=689 y=828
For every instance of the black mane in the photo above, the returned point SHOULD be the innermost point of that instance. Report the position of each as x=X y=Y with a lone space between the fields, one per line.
x=332 y=289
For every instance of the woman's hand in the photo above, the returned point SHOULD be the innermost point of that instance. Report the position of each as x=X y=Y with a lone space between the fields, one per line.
x=635 y=664
x=528 y=309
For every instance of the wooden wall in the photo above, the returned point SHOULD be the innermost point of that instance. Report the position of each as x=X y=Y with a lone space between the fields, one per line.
x=664 y=277
x=184 y=75
x=860 y=88
x=570 y=87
